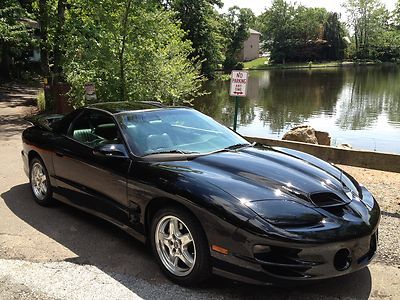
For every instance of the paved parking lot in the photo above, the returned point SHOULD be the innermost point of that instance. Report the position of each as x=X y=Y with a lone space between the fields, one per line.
x=61 y=253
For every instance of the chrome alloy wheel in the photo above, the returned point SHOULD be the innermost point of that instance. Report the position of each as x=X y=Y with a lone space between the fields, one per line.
x=39 y=181
x=175 y=246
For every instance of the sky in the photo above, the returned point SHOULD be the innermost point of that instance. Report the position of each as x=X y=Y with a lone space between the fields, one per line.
x=258 y=6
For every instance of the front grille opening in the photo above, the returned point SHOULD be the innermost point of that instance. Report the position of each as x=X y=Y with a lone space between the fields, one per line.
x=282 y=261
x=287 y=272
x=326 y=199
x=277 y=255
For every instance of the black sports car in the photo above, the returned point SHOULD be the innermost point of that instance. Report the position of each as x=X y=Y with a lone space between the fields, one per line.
x=205 y=199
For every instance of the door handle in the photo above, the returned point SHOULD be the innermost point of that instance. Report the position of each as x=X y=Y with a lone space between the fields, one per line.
x=59 y=154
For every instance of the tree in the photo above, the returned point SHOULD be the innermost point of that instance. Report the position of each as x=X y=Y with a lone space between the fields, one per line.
x=308 y=23
x=201 y=22
x=334 y=34
x=237 y=29
x=131 y=49
x=368 y=19
x=395 y=17
x=43 y=16
x=277 y=29
x=15 y=36
x=58 y=36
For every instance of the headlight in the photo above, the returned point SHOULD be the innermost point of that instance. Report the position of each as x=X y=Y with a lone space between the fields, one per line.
x=367 y=199
x=286 y=213
x=347 y=182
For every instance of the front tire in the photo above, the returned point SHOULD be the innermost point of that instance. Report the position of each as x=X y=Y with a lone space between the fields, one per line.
x=40 y=182
x=180 y=246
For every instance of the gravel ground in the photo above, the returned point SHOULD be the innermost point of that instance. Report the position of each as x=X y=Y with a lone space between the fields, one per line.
x=61 y=253
x=385 y=186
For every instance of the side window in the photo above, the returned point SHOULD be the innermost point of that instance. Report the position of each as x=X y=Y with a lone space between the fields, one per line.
x=62 y=126
x=94 y=128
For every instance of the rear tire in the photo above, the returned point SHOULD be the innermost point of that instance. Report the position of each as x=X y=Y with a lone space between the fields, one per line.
x=180 y=246
x=39 y=180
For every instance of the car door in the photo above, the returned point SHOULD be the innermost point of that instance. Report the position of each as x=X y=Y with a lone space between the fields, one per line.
x=88 y=180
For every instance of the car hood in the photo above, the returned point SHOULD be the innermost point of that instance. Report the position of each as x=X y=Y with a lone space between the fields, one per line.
x=254 y=174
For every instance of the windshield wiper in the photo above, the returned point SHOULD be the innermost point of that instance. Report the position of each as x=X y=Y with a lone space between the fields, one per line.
x=238 y=146
x=175 y=151
x=234 y=147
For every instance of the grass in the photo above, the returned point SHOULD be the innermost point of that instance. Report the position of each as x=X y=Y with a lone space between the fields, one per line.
x=258 y=63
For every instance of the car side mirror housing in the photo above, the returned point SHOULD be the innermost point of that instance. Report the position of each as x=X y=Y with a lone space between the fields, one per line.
x=111 y=150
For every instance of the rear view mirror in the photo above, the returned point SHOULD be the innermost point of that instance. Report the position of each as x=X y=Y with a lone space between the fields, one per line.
x=111 y=150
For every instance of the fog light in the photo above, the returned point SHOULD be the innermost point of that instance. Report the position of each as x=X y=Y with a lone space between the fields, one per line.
x=342 y=260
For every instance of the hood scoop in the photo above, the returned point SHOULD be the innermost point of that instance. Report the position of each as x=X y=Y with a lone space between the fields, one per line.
x=327 y=199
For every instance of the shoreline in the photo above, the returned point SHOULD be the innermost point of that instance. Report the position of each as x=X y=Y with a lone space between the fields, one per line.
x=259 y=64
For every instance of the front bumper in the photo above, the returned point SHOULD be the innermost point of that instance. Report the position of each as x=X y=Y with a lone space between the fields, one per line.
x=332 y=251
x=308 y=262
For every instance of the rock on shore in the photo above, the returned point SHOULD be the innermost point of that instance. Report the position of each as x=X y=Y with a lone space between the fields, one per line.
x=307 y=134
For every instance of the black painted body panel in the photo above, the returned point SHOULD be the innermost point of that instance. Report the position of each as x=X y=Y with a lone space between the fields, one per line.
x=253 y=196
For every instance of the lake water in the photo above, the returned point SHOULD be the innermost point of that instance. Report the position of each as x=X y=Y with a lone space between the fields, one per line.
x=359 y=106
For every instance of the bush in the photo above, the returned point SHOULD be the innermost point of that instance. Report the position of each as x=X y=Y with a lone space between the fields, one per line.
x=41 y=102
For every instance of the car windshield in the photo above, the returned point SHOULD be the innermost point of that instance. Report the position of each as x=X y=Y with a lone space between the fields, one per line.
x=177 y=130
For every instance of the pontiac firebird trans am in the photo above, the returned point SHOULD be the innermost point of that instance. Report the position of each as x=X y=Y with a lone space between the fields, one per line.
x=201 y=196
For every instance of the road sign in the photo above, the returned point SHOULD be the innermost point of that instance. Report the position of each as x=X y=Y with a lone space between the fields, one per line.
x=239 y=83
x=90 y=92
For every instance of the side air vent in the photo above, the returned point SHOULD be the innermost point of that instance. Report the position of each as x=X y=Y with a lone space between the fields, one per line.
x=327 y=200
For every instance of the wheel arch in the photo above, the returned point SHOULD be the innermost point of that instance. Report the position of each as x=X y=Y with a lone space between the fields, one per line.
x=32 y=154
x=46 y=159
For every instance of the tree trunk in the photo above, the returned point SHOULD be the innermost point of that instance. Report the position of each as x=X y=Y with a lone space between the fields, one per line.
x=5 y=63
x=122 y=51
x=44 y=54
x=58 y=36
x=357 y=40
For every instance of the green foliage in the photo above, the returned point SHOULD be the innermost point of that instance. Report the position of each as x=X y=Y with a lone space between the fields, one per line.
x=236 y=28
x=15 y=36
x=369 y=20
x=132 y=50
x=297 y=33
x=334 y=34
x=277 y=29
x=376 y=31
x=201 y=22
x=12 y=28
x=388 y=49
x=395 y=17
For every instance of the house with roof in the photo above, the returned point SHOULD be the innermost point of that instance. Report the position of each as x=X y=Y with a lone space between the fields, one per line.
x=251 y=47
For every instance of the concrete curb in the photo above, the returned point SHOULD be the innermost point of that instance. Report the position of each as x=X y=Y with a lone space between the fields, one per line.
x=357 y=158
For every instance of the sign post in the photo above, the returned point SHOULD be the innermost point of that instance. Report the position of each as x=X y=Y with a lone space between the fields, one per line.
x=238 y=89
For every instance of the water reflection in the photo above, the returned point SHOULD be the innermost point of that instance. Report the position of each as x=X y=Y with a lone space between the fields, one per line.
x=360 y=106
x=372 y=92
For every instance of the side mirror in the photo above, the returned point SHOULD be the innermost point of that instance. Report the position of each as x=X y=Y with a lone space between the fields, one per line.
x=111 y=150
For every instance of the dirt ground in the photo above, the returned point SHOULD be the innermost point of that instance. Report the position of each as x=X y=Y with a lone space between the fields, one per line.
x=384 y=186
x=61 y=253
